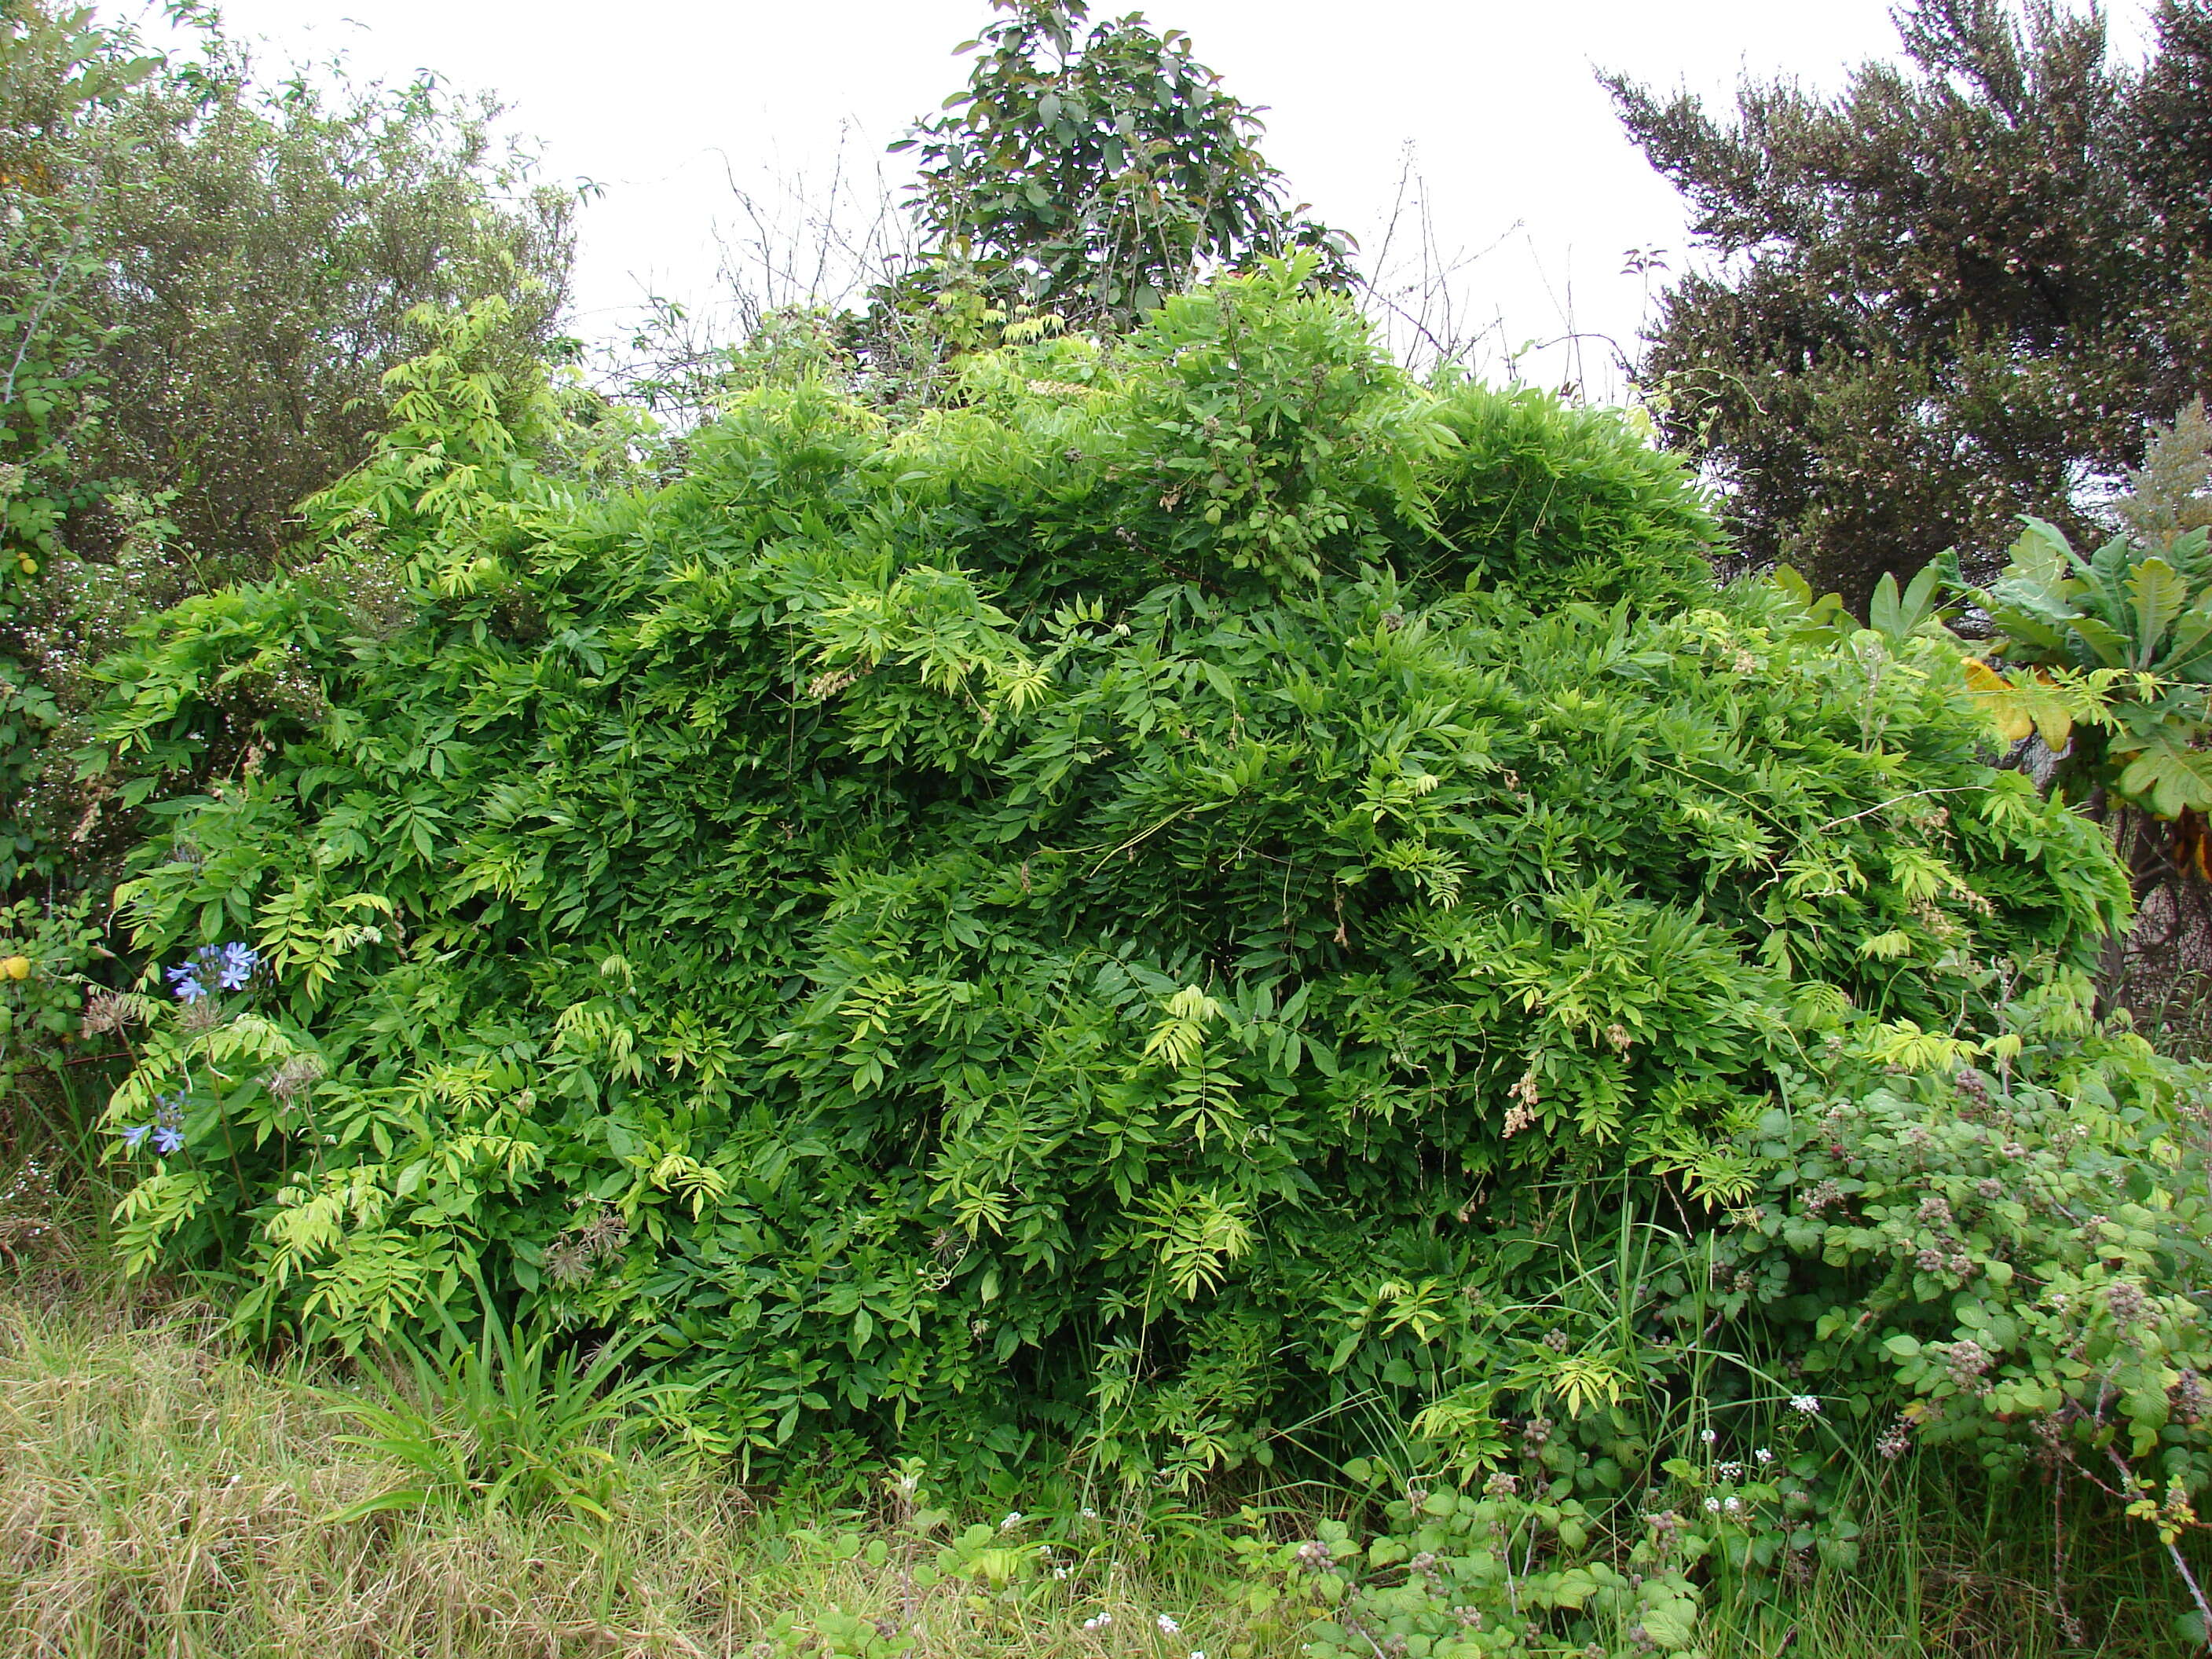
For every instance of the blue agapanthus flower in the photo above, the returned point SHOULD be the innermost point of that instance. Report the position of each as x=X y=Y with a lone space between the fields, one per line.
x=167 y=1130
x=220 y=967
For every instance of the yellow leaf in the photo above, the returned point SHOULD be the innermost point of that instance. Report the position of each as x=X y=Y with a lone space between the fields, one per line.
x=2015 y=708
x=1990 y=690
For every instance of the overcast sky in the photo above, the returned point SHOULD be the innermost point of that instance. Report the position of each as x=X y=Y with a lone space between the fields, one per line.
x=663 y=102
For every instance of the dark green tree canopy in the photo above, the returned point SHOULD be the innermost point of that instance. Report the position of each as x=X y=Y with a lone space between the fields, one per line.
x=1952 y=293
x=1093 y=172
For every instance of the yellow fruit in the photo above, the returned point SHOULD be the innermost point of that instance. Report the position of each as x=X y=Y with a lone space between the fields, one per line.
x=16 y=967
x=30 y=566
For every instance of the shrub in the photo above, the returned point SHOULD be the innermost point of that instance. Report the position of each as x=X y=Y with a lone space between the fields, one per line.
x=55 y=1069
x=1093 y=918
x=1983 y=1250
x=2009 y=1261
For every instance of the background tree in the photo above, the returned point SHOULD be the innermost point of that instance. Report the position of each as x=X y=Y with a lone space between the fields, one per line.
x=57 y=76
x=1093 y=172
x=208 y=276
x=261 y=290
x=1954 y=292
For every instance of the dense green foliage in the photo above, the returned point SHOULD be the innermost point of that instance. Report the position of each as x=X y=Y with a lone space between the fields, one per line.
x=1997 y=1266
x=55 y=71
x=58 y=944
x=205 y=275
x=2012 y=1258
x=1954 y=293
x=1092 y=915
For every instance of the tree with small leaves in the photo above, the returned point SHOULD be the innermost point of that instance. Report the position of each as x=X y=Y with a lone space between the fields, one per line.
x=1952 y=293
x=1091 y=170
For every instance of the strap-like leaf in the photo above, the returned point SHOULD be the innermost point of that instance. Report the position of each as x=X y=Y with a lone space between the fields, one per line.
x=2158 y=595
x=2106 y=643
x=1885 y=614
x=2190 y=651
x=1920 y=597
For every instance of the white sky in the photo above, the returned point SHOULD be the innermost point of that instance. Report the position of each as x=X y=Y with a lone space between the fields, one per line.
x=663 y=101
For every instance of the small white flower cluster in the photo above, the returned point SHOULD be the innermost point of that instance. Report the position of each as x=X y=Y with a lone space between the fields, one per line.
x=1098 y=1621
x=1167 y=1625
x=1806 y=1404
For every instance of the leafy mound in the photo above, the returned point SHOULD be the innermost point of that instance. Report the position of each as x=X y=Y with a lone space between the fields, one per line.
x=1083 y=916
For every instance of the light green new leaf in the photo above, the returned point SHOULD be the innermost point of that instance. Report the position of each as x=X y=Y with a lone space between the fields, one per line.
x=2159 y=593
x=2040 y=554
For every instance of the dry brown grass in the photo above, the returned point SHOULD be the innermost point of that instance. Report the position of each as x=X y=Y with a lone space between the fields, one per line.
x=160 y=1494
